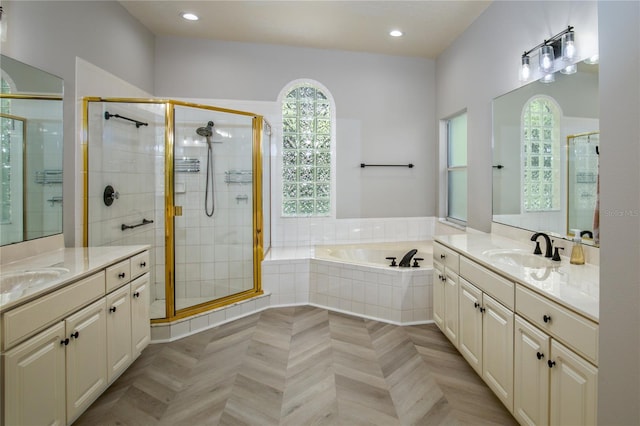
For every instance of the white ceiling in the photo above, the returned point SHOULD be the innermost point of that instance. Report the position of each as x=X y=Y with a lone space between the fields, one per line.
x=356 y=25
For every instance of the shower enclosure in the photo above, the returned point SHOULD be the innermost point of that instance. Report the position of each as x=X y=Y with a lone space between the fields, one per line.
x=190 y=181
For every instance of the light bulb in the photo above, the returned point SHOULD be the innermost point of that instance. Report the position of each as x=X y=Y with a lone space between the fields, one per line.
x=568 y=46
x=190 y=16
x=592 y=60
x=548 y=78
x=525 y=69
x=569 y=69
x=546 y=58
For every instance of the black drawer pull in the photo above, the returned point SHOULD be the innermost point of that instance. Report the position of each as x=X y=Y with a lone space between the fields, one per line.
x=143 y=264
x=442 y=256
x=75 y=335
x=551 y=364
x=540 y=355
x=112 y=309
x=121 y=275
x=136 y=294
x=546 y=318
x=64 y=342
x=476 y=305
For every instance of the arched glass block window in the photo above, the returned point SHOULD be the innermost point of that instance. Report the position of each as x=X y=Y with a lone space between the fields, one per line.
x=541 y=179
x=307 y=132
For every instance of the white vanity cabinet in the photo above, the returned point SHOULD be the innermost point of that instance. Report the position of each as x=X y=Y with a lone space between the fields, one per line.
x=62 y=349
x=554 y=384
x=446 y=265
x=486 y=331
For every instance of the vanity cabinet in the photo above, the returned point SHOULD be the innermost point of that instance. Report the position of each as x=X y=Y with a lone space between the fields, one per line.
x=486 y=339
x=554 y=384
x=446 y=266
x=62 y=350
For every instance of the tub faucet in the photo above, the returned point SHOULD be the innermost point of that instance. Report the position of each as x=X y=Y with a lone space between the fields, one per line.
x=406 y=260
x=548 y=251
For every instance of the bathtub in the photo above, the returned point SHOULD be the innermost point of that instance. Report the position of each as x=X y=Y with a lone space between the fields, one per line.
x=357 y=279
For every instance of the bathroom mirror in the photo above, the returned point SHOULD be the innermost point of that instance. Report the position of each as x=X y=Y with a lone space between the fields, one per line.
x=545 y=170
x=31 y=147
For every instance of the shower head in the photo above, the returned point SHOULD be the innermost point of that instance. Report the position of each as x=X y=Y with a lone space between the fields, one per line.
x=206 y=131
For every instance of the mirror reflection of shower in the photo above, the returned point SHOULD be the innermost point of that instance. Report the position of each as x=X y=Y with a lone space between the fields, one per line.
x=207 y=132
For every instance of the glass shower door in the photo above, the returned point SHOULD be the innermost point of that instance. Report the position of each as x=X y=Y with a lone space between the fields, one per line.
x=213 y=197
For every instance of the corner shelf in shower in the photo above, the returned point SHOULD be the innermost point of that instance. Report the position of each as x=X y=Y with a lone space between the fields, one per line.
x=47 y=177
x=238 y=176
x=187 y=165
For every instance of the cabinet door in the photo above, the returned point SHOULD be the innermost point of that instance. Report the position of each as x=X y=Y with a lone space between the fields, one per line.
x=451 y=307
x=574 y=381
x=86 y=357
x=140 y=327
x=438 y=295
x=34 y=385
x=470 y=326
x=119 y=355
x=497 y=346
x=531 y=374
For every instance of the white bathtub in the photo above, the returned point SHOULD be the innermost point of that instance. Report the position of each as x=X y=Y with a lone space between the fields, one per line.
x=356 y=278
x=375 y=254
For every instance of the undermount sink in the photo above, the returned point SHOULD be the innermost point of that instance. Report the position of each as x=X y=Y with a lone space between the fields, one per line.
x=23 y=280
x=518 y=257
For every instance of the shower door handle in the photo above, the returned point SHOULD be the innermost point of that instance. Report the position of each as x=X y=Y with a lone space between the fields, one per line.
x=177 y=210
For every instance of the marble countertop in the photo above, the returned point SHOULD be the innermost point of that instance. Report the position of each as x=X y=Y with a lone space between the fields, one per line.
x=576 y=287
x=80 y=261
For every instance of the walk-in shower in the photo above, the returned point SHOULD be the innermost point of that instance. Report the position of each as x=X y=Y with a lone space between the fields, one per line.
x=204 y=258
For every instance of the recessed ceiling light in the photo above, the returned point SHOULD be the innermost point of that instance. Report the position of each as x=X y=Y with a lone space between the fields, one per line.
x=190 y=16
x=396 y=33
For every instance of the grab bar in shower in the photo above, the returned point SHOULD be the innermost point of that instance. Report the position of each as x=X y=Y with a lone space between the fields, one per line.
x=363 y=165
x=144 y=222
x=107 y=116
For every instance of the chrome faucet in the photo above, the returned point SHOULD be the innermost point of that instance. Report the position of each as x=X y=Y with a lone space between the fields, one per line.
x=549 y=248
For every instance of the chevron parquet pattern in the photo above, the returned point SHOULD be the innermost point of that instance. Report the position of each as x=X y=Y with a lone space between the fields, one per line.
x=300 y=366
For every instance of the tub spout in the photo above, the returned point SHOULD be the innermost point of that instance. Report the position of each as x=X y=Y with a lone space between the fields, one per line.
x=406 y=260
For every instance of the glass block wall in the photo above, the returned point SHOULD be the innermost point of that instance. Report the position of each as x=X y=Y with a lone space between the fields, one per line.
x=541 y=155
x=306 y=155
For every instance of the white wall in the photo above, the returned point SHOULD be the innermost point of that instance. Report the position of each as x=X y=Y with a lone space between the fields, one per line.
x=619 y=375
x=384 y=105
x=51 y=34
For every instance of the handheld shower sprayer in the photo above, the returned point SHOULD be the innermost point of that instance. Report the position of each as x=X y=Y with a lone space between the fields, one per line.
x=207 y=132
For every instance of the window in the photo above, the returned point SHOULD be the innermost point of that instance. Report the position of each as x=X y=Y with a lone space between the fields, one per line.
x=457 y=168
x=307 y=121
x=541 y=155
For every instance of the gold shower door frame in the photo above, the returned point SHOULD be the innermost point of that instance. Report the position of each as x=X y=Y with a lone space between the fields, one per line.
x=169 y=203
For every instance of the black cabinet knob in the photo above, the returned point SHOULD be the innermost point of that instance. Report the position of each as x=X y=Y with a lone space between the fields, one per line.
x=143 y=264
x=121 y=275
x=476 y=305
x=482 y=310
x=442 y=256
x=551 y=363
x=136 y=294
x=112 y=309
x=546 y=318
x=64 y=342
x=75 y=335
x=540 y=355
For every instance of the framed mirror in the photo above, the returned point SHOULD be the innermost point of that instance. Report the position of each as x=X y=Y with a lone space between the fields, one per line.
x=31 y=146
x=545 y=164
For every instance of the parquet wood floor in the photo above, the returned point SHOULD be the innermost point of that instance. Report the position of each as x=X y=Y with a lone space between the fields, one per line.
x=301 y=366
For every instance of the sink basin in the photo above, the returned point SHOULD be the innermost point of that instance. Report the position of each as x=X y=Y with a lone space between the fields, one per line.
x=517 y=257
x=19 y=281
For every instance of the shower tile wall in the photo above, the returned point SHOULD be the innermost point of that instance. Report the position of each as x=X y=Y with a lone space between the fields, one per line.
x=130 y=160
x=213 y=255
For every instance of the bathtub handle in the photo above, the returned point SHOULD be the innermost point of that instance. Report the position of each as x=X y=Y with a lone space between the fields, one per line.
x=416 y=260
x=393 y=261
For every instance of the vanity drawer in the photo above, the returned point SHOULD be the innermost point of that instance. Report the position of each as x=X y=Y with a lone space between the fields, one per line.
x=28 y=319
x=575 y=331
x=140 y=264
x=118 y=275
x=447 y=257
x=489 y=282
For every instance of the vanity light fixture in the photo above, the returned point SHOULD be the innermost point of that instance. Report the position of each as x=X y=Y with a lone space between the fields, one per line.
x=3 y=25
x=593 y=60
x=396 y=33
x=189 y=16
x=561 y=46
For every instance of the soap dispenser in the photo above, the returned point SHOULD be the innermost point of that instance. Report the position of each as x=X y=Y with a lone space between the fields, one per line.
x=577 y=254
